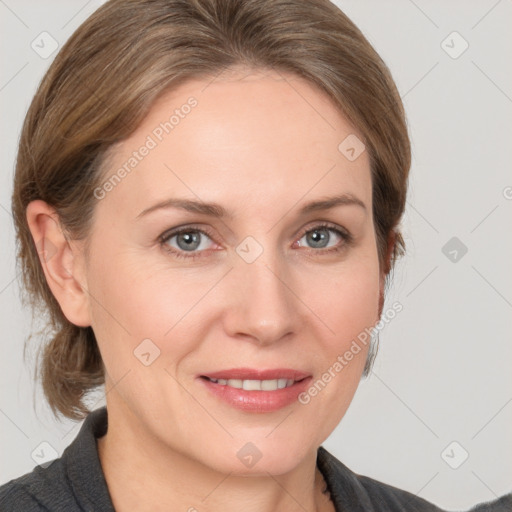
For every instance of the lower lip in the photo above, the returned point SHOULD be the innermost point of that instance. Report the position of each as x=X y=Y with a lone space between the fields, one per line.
x=256 y=400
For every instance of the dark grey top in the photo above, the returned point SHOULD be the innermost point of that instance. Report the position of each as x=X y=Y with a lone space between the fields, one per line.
x=75 y=482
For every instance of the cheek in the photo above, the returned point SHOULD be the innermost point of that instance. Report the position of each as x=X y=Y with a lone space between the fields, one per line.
x=354 y=302
x=135 y=300
x=346 y=303
x=346 y=299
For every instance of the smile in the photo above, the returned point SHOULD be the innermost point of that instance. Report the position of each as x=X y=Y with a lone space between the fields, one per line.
x=254 y=385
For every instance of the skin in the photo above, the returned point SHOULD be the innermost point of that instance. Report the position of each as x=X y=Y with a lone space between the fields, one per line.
x=262 y=145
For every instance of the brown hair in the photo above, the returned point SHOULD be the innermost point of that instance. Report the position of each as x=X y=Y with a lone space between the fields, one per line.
x=105 y=79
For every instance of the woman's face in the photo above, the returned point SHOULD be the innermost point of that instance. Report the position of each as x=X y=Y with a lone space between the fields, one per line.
x=265 y=286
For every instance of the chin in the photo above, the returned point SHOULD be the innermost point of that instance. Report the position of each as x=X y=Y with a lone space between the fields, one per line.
x=258 y=458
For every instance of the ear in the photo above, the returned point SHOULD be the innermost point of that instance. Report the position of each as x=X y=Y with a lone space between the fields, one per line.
x=62 y=262
x=385 y=269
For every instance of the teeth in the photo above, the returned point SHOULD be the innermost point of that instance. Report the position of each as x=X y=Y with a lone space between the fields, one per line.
x=255 y=385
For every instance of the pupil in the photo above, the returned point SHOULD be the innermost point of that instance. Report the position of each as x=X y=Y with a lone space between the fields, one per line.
x=317 y=236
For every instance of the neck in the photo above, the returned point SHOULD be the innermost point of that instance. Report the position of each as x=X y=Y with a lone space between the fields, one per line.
x=143 y=475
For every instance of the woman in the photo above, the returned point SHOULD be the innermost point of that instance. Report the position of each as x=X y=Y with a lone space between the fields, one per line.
x=206 y=200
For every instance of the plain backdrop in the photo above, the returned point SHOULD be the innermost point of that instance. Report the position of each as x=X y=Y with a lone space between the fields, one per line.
x=435 y=417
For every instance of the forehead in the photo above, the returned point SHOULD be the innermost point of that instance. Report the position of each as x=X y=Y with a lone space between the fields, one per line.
x=243 y=136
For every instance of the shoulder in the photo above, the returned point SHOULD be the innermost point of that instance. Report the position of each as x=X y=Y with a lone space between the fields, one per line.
x=74 y=482
x=503 y=504
x=14 y=496
x=352 y=491
x=41 y=489
x=386 y=497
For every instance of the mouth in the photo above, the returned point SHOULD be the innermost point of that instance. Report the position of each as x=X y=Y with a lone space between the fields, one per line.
x=256 y=380
x=257 y=391
x=255 y=384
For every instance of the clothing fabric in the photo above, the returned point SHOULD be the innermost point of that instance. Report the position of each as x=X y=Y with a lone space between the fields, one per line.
x=75 y=482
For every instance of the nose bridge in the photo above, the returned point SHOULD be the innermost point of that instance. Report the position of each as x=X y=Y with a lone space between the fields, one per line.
x=265 y=306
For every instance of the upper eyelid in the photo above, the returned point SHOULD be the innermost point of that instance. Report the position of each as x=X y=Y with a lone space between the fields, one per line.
x=182 y=229
x=326 y=225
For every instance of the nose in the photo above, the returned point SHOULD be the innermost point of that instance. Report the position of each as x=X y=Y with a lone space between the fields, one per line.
x=262 y=305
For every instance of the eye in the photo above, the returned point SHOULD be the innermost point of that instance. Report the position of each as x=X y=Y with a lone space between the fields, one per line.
x=188 y=239
x=192 y=242
x=318 y=238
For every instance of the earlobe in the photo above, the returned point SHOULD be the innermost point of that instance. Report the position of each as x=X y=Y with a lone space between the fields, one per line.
x=60 y=262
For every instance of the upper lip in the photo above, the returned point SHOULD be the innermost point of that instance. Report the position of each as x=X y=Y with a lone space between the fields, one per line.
x=257 y=374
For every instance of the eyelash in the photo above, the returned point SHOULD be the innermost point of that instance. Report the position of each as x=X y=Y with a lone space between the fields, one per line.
x=165 y=237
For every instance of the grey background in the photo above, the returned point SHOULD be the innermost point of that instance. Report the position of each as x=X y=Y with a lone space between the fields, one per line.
x=443 y=372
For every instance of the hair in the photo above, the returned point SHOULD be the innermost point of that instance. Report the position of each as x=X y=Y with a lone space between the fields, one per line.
x=102 y=84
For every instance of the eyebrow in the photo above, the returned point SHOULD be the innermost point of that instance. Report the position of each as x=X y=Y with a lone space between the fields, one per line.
x=218 y=211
